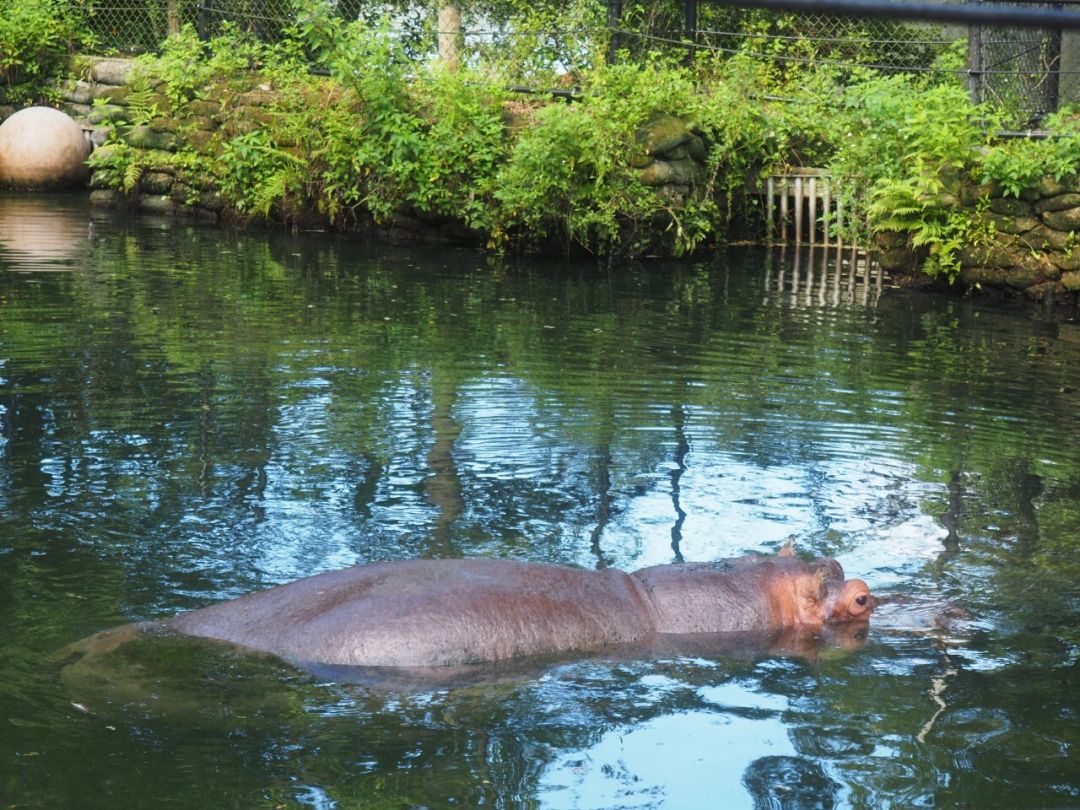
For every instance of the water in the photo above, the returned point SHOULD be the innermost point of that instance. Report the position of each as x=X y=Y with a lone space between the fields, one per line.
x=190 y=414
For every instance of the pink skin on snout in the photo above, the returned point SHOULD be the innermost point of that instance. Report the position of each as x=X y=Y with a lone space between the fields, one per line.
x=852 y=602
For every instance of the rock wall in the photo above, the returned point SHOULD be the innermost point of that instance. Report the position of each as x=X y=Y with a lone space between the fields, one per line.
x=672 y=159
x=1033 y=244
x=107 y=101
x=1027 y=245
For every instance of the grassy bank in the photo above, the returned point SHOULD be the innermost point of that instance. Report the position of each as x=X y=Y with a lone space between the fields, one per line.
x=379 y=133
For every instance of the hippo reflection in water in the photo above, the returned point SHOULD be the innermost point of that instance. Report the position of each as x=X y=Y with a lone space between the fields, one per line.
x=452 y=613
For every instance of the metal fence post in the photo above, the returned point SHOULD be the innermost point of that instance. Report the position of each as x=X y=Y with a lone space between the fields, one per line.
x=614 y=14
x=690 y=8
x=976 y=63
x=1053 y=67
x=202 y=21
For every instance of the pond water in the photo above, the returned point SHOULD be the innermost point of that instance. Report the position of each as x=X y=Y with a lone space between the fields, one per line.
x=189 y=414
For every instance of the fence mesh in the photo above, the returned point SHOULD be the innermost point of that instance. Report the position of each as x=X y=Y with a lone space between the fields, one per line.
x=1014 y=69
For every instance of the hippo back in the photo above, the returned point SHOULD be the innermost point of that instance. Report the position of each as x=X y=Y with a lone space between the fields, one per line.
x=431 y=613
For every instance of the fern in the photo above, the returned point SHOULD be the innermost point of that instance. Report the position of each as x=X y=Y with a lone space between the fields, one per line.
x=132 y=172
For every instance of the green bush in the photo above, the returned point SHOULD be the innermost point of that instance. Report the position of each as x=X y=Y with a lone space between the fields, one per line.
x=384 y=135
x=36 y=39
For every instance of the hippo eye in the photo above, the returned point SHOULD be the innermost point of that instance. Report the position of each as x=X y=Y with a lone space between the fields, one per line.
x=861 y=600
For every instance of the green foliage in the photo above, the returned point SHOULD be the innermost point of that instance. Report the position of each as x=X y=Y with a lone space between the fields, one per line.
x=189 y=67
x=386 y=135
x=259 y=174
x=570 y=172
x=117 y=165
x=36 y=39
x=936 y=221
x=1021 y=163
x=907 y=150
x=539 y=44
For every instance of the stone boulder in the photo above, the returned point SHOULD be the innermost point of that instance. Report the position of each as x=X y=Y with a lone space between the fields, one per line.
x=42 y=148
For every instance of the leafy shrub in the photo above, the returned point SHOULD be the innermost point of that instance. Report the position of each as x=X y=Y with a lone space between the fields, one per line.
x=1021 y=163
x=570 y=174
x=384 y=135
x=36 y=38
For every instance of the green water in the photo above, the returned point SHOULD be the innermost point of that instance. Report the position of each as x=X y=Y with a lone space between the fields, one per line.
x=190 y=414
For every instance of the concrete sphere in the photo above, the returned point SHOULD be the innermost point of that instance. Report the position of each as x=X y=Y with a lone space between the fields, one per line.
x=42 y=148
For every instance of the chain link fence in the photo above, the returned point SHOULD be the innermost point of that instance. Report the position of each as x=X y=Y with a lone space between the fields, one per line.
x=1011 y=68
x=1016 y=70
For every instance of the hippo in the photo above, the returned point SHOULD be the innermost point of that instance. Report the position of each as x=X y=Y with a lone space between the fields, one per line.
x=458 y=612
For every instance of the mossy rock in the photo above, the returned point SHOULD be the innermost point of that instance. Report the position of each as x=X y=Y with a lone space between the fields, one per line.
x=887 y=240
x=1044 y=238
x=257 y=98
x=105 y=115
x=1071 y=281
x=1059 y=202
x=98 y=181
x=1049 y=187
x=1065 y=260
x=111 y=94
x=201 y=123
x=107 y=198
x=143 y=136
x=157 y=203
x=155 y=183
x=662 y=134
x=106 y=70
x=259 y=115
x=161 y=102
x=78 y=111
x=1010 y=207
x=159 y=160
x=212 y=201
x=205 y=143
x=897 y=260
x=202 y=108
x=1012 y=224
x=239 y=126
x=201 y=180
x=184 y=194
x=674 y=195
x=77 y=92
x=1067 y=219
x=1047 y=290
x=674 y=172
x=972 y=194
x=1000 y=257
x=164 y=123
x=1018 y=278
x=697 y=148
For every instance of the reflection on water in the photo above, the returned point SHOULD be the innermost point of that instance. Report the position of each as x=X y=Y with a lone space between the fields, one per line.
x=43 y=232
x=822 y=276
x=194 y=414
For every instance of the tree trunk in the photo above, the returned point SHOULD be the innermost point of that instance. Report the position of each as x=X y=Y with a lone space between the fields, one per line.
x=450 y=34
x=172 y=16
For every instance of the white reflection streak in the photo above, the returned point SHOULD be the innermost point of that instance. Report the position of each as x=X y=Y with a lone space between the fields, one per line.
x=851 y=276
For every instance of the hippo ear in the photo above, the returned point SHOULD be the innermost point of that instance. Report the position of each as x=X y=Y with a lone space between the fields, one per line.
x=813 y=589
x=829 y=568
x=788 y=549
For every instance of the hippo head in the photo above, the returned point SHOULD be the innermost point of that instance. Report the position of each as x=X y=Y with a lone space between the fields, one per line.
x=823 y=596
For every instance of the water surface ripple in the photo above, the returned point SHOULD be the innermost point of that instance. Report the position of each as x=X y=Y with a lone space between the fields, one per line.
x=190 y=414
